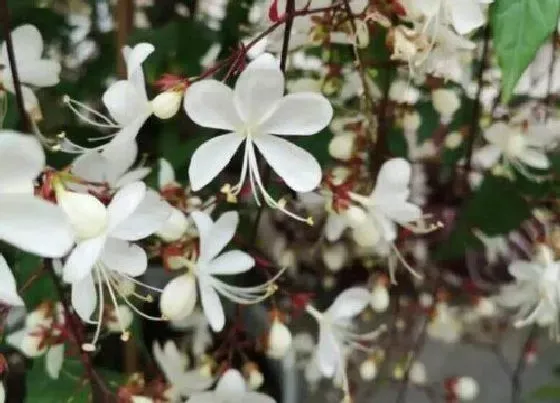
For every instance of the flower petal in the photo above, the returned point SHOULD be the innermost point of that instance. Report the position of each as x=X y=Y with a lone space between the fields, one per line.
x=393 y=180
x=54 y=360
x=211 y=305
x=298 y=168
x=124 y=257
x=124 y=102
x=149 y=217
x=134 y=58
x=231 y=262
x=8 y=289
x=214 y=239
x=166 y=174
x=300 y=114
x=193 y=381
x=534 y=158
x=40 y=73
x=34 y=225
x=87 y=215
x=258 y=90
x=256 y=397
x=80 y=262
x=29 y=43
x=84 y=298
x=211 y=158
x=349 y=303
x=231 y=385
x=328 y=352
x=209 y=103
x=523 y=270
x=124 y=203
x=466 y=15
x=487 y=156
x=204 y=397
x=334 y=227
x=21 y=160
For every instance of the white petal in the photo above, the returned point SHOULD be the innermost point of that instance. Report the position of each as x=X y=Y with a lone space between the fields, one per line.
x=21 y=160
x=124 y=102
x=124 y=203
x=119 y=156
x=298 y=168
x=8 y=289
x=166 y=173
x=179 y=297
x=466 y=15
x=212 y=306
x=523 y=270
x=328 y=352
x=132 y=176
x=129 y=132
x=211 y=158
x=84 y=298
x=81 y=260
x=231 y=385
x=498 y=134
x=54 y=360
x=203 y=223
x=299 y=114
x=150 y=216
x=393 y=180
x=258 y=91
x=231 y=262
x=40 y=73
x=124 y=257
x=402 y=212
x=534 y=158
x=34 y=225
x=205 y=397
x=215 y=238
x=193 y=381
x=209 y=103
x=349 y=303
x=487 y=156
x=29 y=44
x=256 y=397
x=91 y=166
x=137 y=55
x=87 y=215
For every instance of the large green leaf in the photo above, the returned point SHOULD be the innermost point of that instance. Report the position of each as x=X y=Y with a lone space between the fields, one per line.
x=519 y=28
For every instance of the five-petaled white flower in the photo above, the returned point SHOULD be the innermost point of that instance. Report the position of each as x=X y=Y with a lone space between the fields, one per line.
x=231 y=388
x=336 y=333
x=104 y=252
x=257 y=113
x=536 y=292
x=179 y=295
x=27 y=222
x=31 y=67
x=515 y=147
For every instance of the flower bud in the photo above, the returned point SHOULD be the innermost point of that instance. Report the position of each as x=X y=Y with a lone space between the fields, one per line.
x=368 y=370
x=178 y=297
x=453 y=140
x=334 y=256
x=365 y=235
x=121 y=320
x=31 y=345
x=362 y=34
x=356 y=216
x=417 y=373
x=486 y=307
x=446 y=102
x=87 y=215
x=175 y=226
x=411 y=122
x=141 y=399
x=279 y=340
x=342 y=146
x=465 y=388
x=167 y=104
x=255 y=378
x=380 y=300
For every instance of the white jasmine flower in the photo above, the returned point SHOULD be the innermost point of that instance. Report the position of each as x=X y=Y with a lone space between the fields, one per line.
x=179 y=296
x=536 y=292
x=126 y=101
x=32 y=69
x=231 y=388
x=256 y=113
x=513 y=146
x=27 y=222
x=335 y=330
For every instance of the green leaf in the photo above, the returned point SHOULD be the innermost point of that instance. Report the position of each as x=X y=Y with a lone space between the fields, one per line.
x=547 y=392
x=519 y=29
x=28 y=272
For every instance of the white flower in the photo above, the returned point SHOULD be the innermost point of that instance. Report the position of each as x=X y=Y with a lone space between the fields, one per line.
x=380 y=298
x=446 y=103
x=126 y=100
x=279 y=340
x=368 y=370
x=111 y=166
x=105 y=252
x=173 y=364
x=513 y=146
x=466 y=388
x=32 y=68
x=8 y=290
x=445 y=324
x=27 y=222
x=201 y=335
x=179 y=296
x=256 y=113
x=231 y=388
x=536 y=292
x=335 y=330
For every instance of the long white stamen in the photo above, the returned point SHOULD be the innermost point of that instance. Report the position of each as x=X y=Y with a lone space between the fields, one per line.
x=89 y=347
x=404 y=262
x=124 y=335
x=149 y=287
x=74 y=107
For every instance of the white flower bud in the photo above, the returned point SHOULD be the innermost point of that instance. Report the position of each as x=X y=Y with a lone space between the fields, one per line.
x=466 y=388
x=380 y=298
x=453 y=140
x=402 y=92
x=365 y=235
x=334 y=256
x=120 y=320
x=178 y=297
x=167 y=104
x=362 y=34
x=31 y=345
x=411 y=121
x=141 y=399
x=304 y=85
x=87 y=215
x=342 y=146
x=356 y=216
x=256 y=379
x=417 y=373
x=175 y=226
x=446 y=102
x=287 y=259
x=368 y=370
x=486 y=307
x=279 y=340
x=426 y=300
x=2 y=390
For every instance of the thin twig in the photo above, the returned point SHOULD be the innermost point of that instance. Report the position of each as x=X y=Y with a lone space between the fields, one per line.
x=520 y=367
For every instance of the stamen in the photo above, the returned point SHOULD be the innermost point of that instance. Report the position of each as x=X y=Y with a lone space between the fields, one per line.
x=401 y=258
x=90 y=347
x=74 y=107
x=113 y=299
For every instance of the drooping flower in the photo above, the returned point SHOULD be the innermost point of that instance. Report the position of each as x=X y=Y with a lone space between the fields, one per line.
x=258 y=114
x=180 y=294
x=335 y=330
x=32 y=69
x=536 y=292
x=231 y=388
